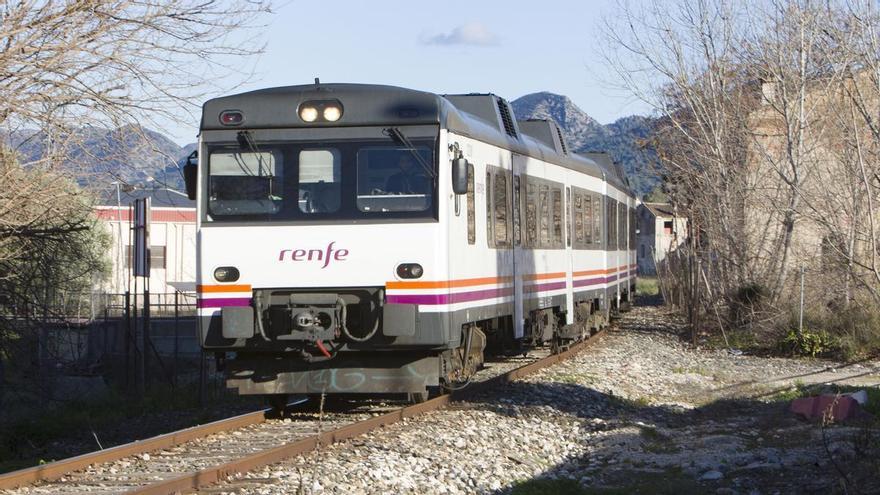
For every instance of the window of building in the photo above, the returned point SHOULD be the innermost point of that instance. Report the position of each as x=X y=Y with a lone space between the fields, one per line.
x=667 y=227
x=157 y=257
x=471 y=214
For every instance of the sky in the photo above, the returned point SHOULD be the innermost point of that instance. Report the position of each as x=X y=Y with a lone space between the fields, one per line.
x=508 y=48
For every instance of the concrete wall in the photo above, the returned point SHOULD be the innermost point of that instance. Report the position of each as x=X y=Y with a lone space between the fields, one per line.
x=658 y=236
x=177 y=237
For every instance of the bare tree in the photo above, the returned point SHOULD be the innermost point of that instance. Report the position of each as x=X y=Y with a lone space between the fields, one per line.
x=769 y=113
x=68 y=67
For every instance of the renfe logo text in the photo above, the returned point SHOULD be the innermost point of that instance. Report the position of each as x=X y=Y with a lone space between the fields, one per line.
x=324 y=255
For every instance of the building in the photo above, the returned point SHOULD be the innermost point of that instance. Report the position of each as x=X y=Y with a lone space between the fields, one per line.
x=172 y=239
x=660 y=232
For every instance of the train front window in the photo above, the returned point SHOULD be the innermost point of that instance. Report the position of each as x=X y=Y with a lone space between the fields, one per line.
x=320 y=181
x=328 y=180
x=245 y=183
x=393 y=179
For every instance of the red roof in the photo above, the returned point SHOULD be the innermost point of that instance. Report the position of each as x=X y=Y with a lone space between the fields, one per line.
x=170 y=215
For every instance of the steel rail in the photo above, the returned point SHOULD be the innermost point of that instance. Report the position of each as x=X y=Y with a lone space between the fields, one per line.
x=57 y=469
x=199 y=479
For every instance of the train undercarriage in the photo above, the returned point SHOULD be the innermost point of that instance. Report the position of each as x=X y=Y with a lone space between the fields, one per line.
x=321 y=359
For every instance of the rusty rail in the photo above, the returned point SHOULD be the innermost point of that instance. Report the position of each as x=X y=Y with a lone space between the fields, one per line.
x=57 y=469
x=208 y=476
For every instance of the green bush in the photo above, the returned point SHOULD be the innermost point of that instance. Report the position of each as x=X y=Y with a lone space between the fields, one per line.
x=647 y=286
x=808 y=343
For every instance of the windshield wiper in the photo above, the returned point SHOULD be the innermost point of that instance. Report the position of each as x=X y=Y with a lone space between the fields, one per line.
x=246 y=140
x=395 y=134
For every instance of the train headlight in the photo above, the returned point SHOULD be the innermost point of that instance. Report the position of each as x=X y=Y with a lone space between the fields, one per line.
x=308 y=113
x=332 y=113
x=314 y=111
x=410 y=270
x=226 y=274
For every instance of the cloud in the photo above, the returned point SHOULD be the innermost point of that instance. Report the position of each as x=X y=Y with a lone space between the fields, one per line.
x=472 y=33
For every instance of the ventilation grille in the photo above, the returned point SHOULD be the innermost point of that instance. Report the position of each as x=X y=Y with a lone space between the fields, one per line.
x=506 y=118
x=561 y=139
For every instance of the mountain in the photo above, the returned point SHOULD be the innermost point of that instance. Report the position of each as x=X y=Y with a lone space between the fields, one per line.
x=579 y=128
x=621 y=139
x=130 y=154
x=140 y=156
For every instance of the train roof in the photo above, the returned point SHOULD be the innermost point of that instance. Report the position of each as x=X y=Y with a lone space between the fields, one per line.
x=484 y=117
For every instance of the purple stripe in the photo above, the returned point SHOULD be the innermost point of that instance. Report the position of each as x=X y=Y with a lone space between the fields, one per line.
x=591 y=281
x=543 y=287
x=223 y=302
x=457 y=297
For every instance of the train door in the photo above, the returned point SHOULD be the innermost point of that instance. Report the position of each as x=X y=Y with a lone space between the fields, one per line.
x=520 y=263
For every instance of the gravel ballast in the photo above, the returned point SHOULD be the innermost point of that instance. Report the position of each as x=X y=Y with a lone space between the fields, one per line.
x=639 y=411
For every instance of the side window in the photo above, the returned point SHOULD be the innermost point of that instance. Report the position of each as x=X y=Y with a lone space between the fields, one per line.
x=588 y=220
x=611 y=223
x=557 y=217
x=579 y=219
x=633 y=224
x=501 y=217
x=531 y=213
x=517 y=211
x=489 y=240
x=621 y=226
x=568 y=216
x=544 y=219
x=597 y=219
x=471 y=214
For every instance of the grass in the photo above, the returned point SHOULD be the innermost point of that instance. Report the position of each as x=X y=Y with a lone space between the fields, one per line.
x=574 y=379
x=647 y=286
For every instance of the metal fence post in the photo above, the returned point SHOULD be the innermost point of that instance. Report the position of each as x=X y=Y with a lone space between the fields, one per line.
x=176 y=344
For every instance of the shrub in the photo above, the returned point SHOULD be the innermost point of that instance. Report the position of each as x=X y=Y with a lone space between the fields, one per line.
x=808 y=343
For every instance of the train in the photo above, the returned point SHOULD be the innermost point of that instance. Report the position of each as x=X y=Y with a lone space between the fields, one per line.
x=370 y=239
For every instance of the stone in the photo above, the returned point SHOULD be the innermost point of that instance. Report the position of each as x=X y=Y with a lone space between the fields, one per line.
x=711 y=475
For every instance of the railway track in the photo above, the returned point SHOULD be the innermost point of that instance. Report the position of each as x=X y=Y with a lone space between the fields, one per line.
x=197 y=457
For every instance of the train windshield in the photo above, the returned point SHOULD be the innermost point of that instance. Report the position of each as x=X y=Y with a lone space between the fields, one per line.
x=310 y=181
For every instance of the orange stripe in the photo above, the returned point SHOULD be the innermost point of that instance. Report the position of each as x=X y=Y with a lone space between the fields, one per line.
x=223 y=288
x=601 y=272
x=543 y=276
x=589 y=272
x=447 y=284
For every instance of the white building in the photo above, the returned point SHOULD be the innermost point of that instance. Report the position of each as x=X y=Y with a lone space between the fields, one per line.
x=660 y=232
x=172 y=240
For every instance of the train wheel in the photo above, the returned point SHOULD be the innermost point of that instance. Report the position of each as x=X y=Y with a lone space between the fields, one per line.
x=277 y=402
x=417 y=397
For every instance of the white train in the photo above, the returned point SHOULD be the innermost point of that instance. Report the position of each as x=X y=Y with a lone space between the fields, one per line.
x=374 y=239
